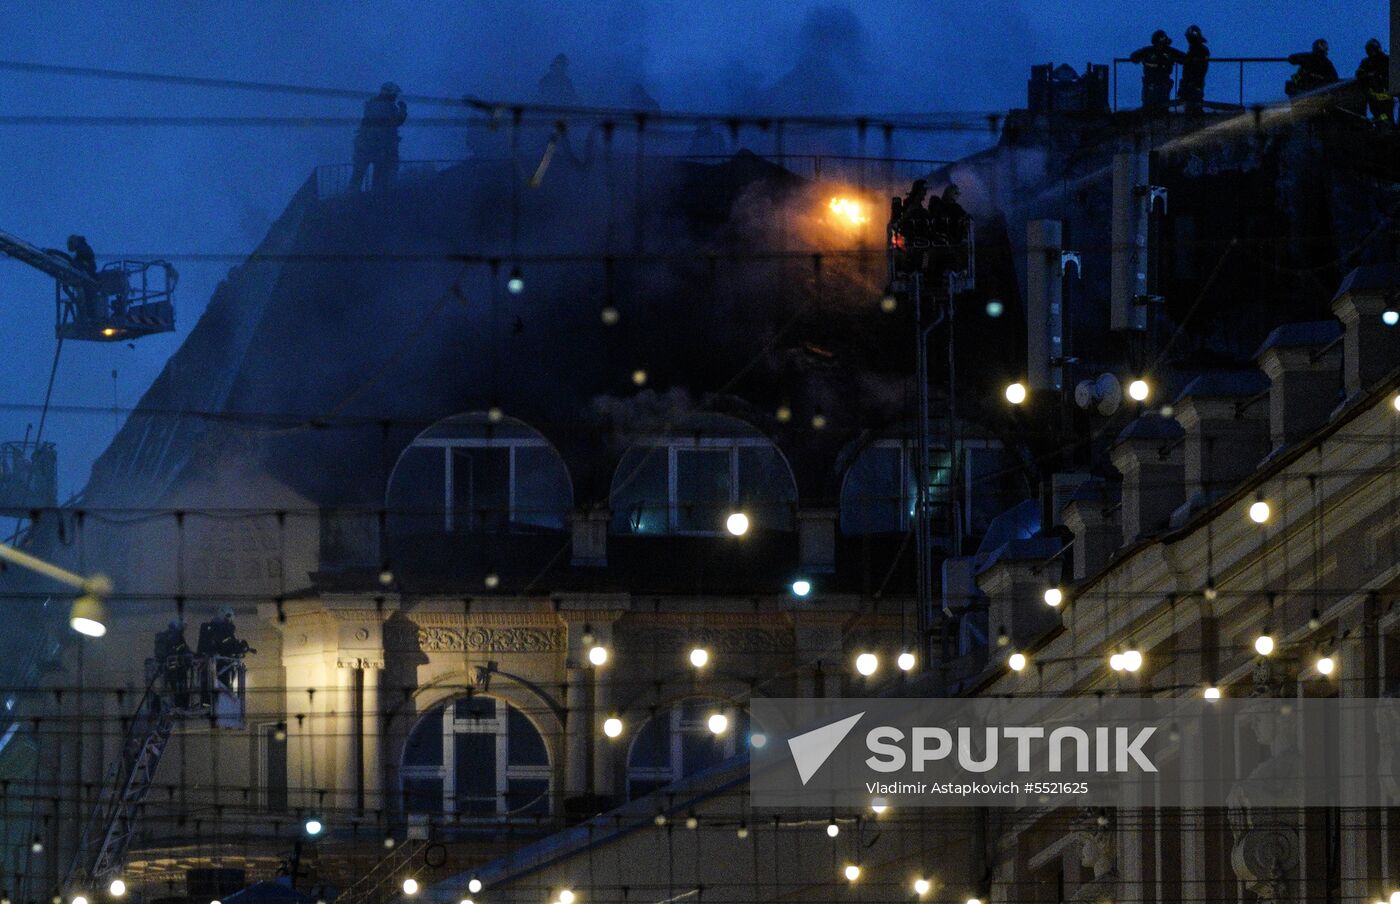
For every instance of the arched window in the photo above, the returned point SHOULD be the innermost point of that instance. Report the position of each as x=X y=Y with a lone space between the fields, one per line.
x=688 y=480
x=476 y=756
x=680 y=741
x=879 y=490
x=467 y=473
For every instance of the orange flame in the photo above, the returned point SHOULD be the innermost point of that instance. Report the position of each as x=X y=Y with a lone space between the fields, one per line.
x=848 y=211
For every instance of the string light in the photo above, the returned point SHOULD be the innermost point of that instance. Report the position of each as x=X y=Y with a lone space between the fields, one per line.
x=878 y=805
x=995 y=308
x=783 y=414
x=852 y=872
x=474 y=885
x=1017 y=661
x=566 y=896
x=492 y=580
x=639 y=377
x=1390 y=317
x=737 y=524
x=117 y=888
x=888 y=302
x=1016 y=393
x=494 y=414
x=79 y=899
x=410 y=886
x=1115 y=662
x=1139 y=390
x=1326 y=665
x=801 y=587
x=921 y=886
x=1259 y=511
x=1054 y=596
x=598 y=655
x=832 y=829
x=610 y=316
x=1132 y=660
x=313 y=827
x=742 y=832
x=818 y=421
x=699 y=657
x=1212 y=693
x=867 y=664
x=1396 y=401
x=906 y=661
x=36 y=846
x=718 y=723
x=515 y=284
x=758 y=740
x=612 y=726
x=1264 y=644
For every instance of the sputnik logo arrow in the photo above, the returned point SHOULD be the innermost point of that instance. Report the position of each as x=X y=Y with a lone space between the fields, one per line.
x=811 y=749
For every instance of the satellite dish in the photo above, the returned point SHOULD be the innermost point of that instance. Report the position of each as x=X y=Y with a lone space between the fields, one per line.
x=1104 y=394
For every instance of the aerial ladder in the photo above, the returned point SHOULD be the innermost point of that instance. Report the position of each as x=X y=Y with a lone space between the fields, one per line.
x=216 y=693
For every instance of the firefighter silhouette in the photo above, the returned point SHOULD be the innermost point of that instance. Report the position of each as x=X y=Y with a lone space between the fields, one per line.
x=1157 y=60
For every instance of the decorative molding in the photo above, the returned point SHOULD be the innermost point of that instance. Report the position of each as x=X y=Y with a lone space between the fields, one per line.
x=489 y=639
x=359 y=662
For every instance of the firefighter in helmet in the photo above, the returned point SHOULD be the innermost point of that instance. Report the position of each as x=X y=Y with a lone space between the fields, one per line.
x=377 y=139
x=1315 y=70
x=1157 y=60
x=1192 y=89
x=1373 y=76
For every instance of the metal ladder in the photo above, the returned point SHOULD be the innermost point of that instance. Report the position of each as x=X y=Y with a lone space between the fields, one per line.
x=379 y=884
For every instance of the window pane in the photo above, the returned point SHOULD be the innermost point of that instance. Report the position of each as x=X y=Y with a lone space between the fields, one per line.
x=475 y=708
x=422 y=795
x=873 y=497
x=704 y=489
x=652 y=749
x=475 y=772
x=542 y=494
x=639 y=496
x=425 y=743
x=480 y=489
x=765 y=488
x=526 y=745
x=528 y=797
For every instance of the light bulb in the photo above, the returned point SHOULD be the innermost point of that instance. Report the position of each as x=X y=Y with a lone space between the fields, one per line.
x=818 y=421
x=1396 y=401
x=386 y=577
x=659 y=819
x=888 y=302
x=852 y=872
x=466 y=901
x=1390 y=317
x=566 y=896
x=36 y=846
x=878 y=805
x=921 y=887
x=1326 y=665
x=867 y=664
x=718 y=723
x=1259 y=511
x=639 y=377
x=117 y=888
x=598 y=655
x=692 y=823
x=783 y=414
x=1212 y=693
x=474 y=885
x=905 y=661
x=1115 y=662
x=610 y=315
x=492 y=580
x=612 y=726
x=1017 y=661
x=995 y=308
x=1132 y=660
x=1263 y=644
x=313 y=826
x=699 y=657
x=832 y=829
x=801 y=587
x=1054 y=596
x=410 y=886
x=516 y=283
x=974 y=901
x=494 y=414
x=737 y=524
x=1139 y=390
x=389 y=842
x=1210 y=593
x=1395 y=897
x=758 y=740
x=742 y=831
x=79 y=899
x=1016 y=393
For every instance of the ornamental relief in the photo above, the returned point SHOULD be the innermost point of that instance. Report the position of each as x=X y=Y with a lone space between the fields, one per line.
x=729 y=640
x=490 y=640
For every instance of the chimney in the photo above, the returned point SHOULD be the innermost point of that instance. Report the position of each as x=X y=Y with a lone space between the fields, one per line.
x=1148 y=454
x=1227 y=430
x=1044 y=314
x=1132 y=202
x=1063 y=486
x=590 y=529
x=1092 y=515
x=816 y=541
x=1303 y=362
x=1371 y=349
x=1014 y=579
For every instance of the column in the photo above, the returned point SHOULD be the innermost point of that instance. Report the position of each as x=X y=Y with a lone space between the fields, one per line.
x=369 y=732
x=576 y=732
x=603 y=746
x=346 y=736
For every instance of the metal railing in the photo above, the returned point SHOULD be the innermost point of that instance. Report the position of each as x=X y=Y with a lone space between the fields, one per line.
x=334 y=179
x=1236 y=66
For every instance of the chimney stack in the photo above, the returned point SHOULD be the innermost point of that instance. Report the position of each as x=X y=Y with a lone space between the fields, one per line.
x=1227 y=430
x=1014 y=579
x=1092 y=515
x=1303 y=362
x=1148 y=454
x=1371 y=349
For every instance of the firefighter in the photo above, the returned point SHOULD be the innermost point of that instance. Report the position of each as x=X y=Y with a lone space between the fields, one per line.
x=1314 y=70
x=950 y=222
x=1157 y=60
x=377 y=138
x=555 y=86
x=1373 y=75
x=172 y=656
x=82 y=255
x=217 y=638
x=913 y=217
x=1192 y=89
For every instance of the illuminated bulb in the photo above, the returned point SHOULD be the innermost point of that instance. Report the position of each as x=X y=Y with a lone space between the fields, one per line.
x=801 y=587
x=867 y=664
x=1396 y=402
x=818 y=421
x=1395 y=897
x=598 y=655
x=974 y=901
x=566 y=896
x=905 y=661
x=888 y=302
x=737 y=524
x=410 y=886
x=389 y=842
x=718 y=723
x=878 y=805
x=1139 y=390
x=659 y=819
x=386 y=577
x=742 y=832
x=610 y=315
x=1016 y=393
x=1132 y=660
x=494 y=414
x=995 y=308
x=1326 y=665
x=516 y=283
x=1054 y=596
x=313 y=826
x=88 y=616
x=1390 y=317
x=117 y=888
x=759 y=740
x=639 y=377
x=612 y=726
x=1263 y=645
x=699 y=657
x=692 y=823
x=492 y=580
x=921 y=887
x=1115 y=662
x=36 y=846
x=466 y=901
x=1210 y=593
x=1259 y=511
x=832 y=829
x=783 y=414
x=1017 y=661
x=852 y=872
x=79 y=899
x=474 y=885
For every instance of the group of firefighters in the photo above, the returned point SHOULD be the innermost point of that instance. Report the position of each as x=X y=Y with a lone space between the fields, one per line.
x=175 y=661
x=1315 y=70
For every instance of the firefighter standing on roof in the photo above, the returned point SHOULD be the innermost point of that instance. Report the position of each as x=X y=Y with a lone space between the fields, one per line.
x=1314 y=70
x=1157 y=60
x=377 y=139
x=1192 y=89
x=1373 y=75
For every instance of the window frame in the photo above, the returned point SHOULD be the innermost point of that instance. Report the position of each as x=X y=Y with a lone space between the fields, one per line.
x=450 y=444
x=676 y=729
x=674 y=445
